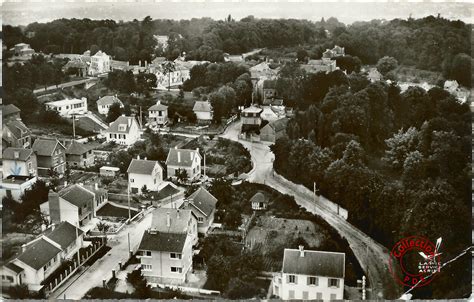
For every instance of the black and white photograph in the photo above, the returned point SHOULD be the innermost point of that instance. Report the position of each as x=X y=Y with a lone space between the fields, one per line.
x=236 y=150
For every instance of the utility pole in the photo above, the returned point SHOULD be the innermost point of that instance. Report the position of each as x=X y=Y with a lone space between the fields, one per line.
x=129 y=249
x=128 y=197
x=141 y=125
x=73 y=127
x=315 y=191
x=204 y=165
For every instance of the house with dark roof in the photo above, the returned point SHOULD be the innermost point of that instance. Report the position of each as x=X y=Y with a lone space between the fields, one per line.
x=124 y=131
x=42 y=256
x=104 y=103
x=79 y=155
x=168 y=196
x=259 y=201
x=203 y=111
x=175 y=220
x=19 y=161
x=315 y=66
x=158 y=114
x=50 y=155
x=10 y=112
x=203 y=205
x=16 y=134
x=76 y=204
x=184 y=160
x=310 y=275
x=143 y=173
x=273 y=130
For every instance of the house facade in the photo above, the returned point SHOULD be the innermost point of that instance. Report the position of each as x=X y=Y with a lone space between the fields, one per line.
x=104 y=103
x=23 y=49
x=78 y=155
x=158 y=114
x=50 y=155
x=273 y=130
x=144 y=173
x=324 y=65
x=42 y=256
x=203 y=206
x=203 y=111
x=251 y=119
x=124 y=131
x=100 y=63
x=175 y=220
x=68 y=107
x=310 y=275
x=259 y=201
x=16 y=134
x=10 y=112
x=184 y=159
x=19 y=161
x=14 y=186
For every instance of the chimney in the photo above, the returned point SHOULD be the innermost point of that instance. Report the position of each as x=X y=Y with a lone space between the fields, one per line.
x=176 y=147
x=301 y=248
x=140 y=63
x=53 y=225
x=158 y=102
x=168 y=219
x=179 y=157
x=16 y=154
x=65 y=183
x=96 y=186
x=23 y=247
x=128 y=63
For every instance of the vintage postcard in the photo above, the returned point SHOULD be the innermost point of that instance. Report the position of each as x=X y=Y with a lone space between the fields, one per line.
x=236 y=150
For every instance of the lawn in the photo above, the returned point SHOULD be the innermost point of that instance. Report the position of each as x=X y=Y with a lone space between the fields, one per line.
x=113 y=211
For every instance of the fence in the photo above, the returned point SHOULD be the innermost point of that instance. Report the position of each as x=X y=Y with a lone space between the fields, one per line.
x=74 y=266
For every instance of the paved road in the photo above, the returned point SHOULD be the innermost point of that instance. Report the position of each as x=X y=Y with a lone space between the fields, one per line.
x=63 y=85
x=102 y=268
x=372 y=256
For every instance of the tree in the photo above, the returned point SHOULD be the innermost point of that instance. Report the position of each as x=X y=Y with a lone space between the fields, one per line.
x=145 y=82
x=103 y=228
x=460 y=69
x=139 y=283
x=168 y=68
x=301 y=55
x=144 y=190
x=222 y=101
x=232 y=219
x=386 y=64
x=349 y=63
x=181 y=175
x=399 y=146
x=114 y=112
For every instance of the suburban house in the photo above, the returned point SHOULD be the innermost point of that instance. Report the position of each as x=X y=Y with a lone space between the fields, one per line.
x=259 y=201
x=203 y=111
x=166 y=248
x=50 y=155
x=310 y=275
x=76 y=204
x=100 y=63
x=168 y=196
x=19 y=161
x=260 y=73
x=107 y=171
x=68 y=107
x=158 y=114
x=273 y=130
x=78 y=66
x=269 y=90
x=16 y=134
x=184 y=160
x=124 y=131
x=324 y=65
x=144 y=173
x=79 y=155
x=42 y=256
x=104 y=103
x=337 y=51
x=270 y=113
x=14 y=186
x=250 y=117
x=374 y=75
x=23 y=49
x=203 y=206
x=10 y=112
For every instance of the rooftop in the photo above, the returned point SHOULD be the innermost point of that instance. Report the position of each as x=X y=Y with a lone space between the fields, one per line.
x=252 y=109
x=142 y=166
x=45 y=147
x=202 y=106
x=181 y=157
x=63 y=234
x=314 y=263
x=163 y=242
x=66 y=102
x=122 y=120
x=158 y=107
x=12 y=266
x=108 y=100
x=17 y=179
x=279 y=125
x=167 y=191
x=203 y=201
x=16 y=154
x=39 y=253
x=178 y=220
x=76 y=148
x=17 y=128
x=77 y=195
x=9 y=109
x=259 y=197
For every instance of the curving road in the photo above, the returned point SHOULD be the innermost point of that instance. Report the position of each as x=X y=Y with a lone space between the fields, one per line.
x=372 y=256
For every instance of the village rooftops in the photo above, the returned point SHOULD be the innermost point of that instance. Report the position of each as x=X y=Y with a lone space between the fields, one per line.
x=158 y=107
x=170 y=220
x=279 y=125
x=17 y=128
x=122 y=124
x=252 y=109
x=314 y=263
x=76 y=148
x=39 y=253
x=163 y=242
x=16 y=154
x=108 y=100
x=182 y=157
x=202 y=200
x=202 y=106
x=142 y=166
x=63 y=234
x=10 y=109
x=45 y=147
x=77 y=195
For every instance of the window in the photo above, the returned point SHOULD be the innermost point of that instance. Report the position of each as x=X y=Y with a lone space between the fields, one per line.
x=175 y=269
x=7 y=278
x=291 y=294
x=131 y=179
x=319 y=296
x=333 y=282
x=200 y=219
x=291 y=279
x=175 y=255
x=312 y=281
x=145 y=253
x=333 y=297
x=147 y=267
x=305 y=295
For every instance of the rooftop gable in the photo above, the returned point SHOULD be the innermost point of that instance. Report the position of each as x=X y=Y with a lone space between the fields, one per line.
x=314 y=263
x=163 y=242
x=142 y=166
x=182 y=157
x=39 y=253
x=46 y=147
x=202 y=200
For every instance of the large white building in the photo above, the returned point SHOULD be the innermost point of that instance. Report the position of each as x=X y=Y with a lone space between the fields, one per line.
x=144 y=173
x=310 y=275
x=184 y=160
x=100 y=63
x=68 y=107
x=124 y=131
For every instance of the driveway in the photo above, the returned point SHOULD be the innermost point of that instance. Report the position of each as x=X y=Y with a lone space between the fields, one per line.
x=372 y=256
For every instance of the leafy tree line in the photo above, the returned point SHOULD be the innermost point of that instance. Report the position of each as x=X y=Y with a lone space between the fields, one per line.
x=399 y=162
x=127 y=82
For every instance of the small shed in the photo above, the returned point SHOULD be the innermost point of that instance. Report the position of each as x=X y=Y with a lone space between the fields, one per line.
x=259 y=201
x=109 y=171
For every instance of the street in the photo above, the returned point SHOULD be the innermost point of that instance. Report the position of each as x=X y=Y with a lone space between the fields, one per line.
x=372 y=256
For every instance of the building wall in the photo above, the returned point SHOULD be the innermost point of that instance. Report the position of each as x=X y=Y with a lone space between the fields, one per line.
x=203 y=116
x=152 y=182
x=16 y=167
x=154 y=116
x=34 y=277
x=68 y=212
x=267 y=134
x=16 y=190
x=130 y=138
x=16 y=142
x=74 y=160
x=268 y=114
x=283 y=289
x=73 y=107
x=193 y=172
x=16 y=279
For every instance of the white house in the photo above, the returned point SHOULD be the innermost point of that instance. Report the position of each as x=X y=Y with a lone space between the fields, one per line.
x=100 y=63
x=42 y=256
x=158 y=114
x=203 y=205
x=124 y=131
x=14 y=186
x=184 y=160
x=175 y=220
x=68 y=107
x=144 y=173
x=104 y=103
x=19 y=161
x=203 y=111
x=259 y=201
x=310 y=275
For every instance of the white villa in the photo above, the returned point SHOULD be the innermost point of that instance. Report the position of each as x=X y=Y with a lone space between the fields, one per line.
x=68 y=107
